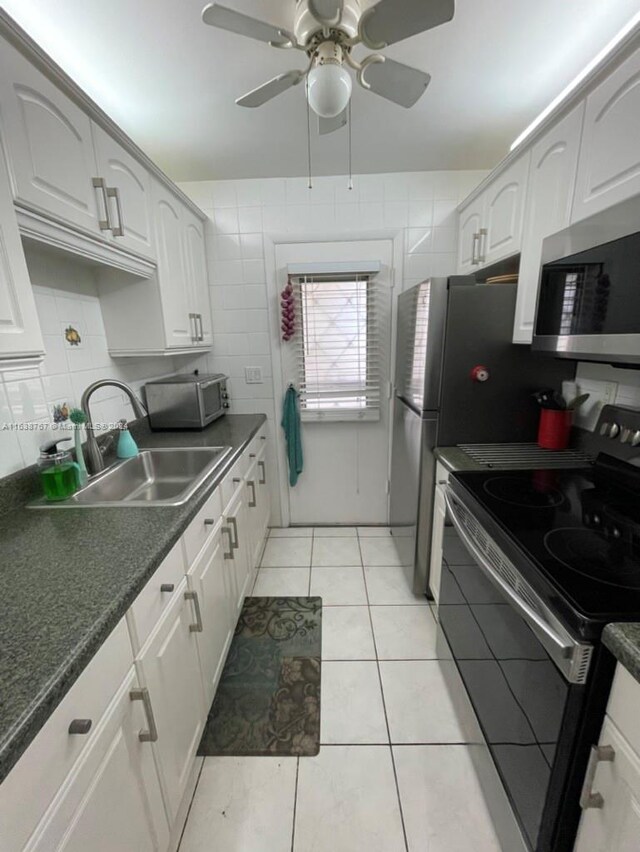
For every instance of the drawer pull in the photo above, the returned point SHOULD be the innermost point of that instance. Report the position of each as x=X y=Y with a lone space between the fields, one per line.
x=167 y=587
x=235 y=542
x=80 y=726
x=209 y=522
x=197 y=627
x=263 y=437
x=228 y=555
x=151 y=734
x=252 y=503
x=252 y=455
x=99 y=183
x=262 y=481
x=599 y=754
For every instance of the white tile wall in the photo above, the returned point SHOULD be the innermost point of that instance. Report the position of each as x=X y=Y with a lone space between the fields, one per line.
x=66 y=293
x=597 y=380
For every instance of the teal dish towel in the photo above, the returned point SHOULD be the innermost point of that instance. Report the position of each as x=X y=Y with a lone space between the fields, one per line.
x=291 y=426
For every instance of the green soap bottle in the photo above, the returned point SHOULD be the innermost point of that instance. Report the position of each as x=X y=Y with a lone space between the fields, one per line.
x=59 y=474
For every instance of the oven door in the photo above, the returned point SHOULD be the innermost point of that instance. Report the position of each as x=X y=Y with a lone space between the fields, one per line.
x=512 y=657
x=211 y=400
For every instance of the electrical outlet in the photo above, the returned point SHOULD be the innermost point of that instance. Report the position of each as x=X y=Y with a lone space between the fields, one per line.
x=609 y=393
x=253 y=375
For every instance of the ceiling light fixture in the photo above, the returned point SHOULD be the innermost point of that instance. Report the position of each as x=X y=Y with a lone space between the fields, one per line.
x=329 y=83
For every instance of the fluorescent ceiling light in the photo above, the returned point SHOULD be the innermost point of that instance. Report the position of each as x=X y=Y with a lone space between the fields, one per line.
x=573 y=85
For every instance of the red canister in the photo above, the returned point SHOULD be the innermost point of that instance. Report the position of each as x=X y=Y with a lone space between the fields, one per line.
x=554 y=429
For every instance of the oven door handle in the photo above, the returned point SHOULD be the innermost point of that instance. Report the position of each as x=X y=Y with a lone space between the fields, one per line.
x=559 y=648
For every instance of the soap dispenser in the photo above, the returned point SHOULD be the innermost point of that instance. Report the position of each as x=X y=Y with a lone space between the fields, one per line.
x=127 y=447
x=59 y=474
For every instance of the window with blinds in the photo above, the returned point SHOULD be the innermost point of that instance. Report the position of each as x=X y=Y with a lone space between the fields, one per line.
x=336 y=346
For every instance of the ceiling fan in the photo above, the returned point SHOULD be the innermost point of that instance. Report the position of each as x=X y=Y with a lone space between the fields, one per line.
x=327 y=31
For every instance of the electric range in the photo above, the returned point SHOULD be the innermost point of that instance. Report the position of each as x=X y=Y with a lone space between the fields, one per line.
x=536 y=562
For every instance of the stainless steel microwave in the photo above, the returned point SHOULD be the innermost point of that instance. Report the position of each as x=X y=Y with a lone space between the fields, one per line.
x=186 y=401
x=589 y=301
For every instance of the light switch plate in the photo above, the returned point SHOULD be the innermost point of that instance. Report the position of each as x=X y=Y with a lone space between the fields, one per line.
x=253 y=375
x=609 y=393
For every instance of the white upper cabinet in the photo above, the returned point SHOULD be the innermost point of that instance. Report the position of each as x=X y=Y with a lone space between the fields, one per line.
x=127 y=187
x=196 y=260
x=609 y=164
x=552 y=175
x=504 y=212
x=469 y=235
x=20 y=335
x=49 y=145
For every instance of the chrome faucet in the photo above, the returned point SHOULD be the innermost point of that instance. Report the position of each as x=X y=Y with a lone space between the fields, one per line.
x=96 y=459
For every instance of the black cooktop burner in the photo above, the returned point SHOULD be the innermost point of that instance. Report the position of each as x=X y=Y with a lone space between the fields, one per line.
x=528 y=493
x=610 y=560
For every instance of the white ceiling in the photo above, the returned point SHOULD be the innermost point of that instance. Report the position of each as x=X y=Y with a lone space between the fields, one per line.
x=170 y=82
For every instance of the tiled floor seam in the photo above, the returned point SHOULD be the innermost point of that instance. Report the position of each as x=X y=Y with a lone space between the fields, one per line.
x=295 y=804
x=193 y=796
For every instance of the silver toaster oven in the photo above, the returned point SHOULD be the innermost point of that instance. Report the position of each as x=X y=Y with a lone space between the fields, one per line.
x=189 y=401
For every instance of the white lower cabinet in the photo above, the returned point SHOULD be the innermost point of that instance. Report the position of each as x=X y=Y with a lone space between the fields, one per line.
x=237 y=532
x=611 y=795
x=111 y=802
x=169 y=668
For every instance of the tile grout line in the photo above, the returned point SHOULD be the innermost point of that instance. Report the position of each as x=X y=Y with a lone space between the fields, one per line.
x=295 y=805
x=384 y=703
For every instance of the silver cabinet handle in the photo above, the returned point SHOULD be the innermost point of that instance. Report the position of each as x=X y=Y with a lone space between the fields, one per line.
x=104 y=224
x=482 y=234
x=252 y=503
x=262 y=481
x=167 y=587
x=114 y=192
x=199 y=323
x=193 y=596
x=228 y=555
x=151 y=734
x=80 y=726
x=599 y=754
x=193 y=327
x=235 y=542
x=474 y=246
x=209 y=522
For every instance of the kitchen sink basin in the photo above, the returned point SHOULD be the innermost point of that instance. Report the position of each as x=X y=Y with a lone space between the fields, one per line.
x=159 y=477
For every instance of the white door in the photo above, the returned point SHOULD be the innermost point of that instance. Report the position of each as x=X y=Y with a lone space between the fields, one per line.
x=168 y=213
x=504 y=211
x=49 y=145
x=609 y=166
x=128 y=185
x=19 y=325
x=253 y=513
x=237 y=522
x=196 y=260
x=345 y=474
x=111 y=801
x=552 y=176
x=469 y=234
x=208 y=579
x=264 y=500
x=169 y=667
x=615 y=827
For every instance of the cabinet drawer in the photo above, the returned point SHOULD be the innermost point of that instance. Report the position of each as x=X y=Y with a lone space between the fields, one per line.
x=233 y=480
x=257 y=442
x=152 y=601
x=32 y=784
x=201 y=527
x=624 y=706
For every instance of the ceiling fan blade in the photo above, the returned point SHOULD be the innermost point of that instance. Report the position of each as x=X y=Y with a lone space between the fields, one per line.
x=390 y=21
x=330 y=125
x=327 y=12
x=272 y=89
x=235 y=22
x=396 y=82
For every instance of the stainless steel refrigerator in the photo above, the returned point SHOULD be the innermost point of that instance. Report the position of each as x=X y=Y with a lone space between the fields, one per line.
x=458 y=379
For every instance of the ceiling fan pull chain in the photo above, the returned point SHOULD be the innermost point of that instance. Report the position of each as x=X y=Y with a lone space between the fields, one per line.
x=350 y=185
x=306 y=83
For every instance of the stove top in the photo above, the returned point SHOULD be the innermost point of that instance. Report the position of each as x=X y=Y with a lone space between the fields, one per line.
x=574 y=533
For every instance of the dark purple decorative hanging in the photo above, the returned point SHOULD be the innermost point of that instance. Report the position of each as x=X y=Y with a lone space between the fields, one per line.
x=288 y=311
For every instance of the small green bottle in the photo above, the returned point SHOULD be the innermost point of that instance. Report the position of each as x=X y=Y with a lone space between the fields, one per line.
x=59 y=474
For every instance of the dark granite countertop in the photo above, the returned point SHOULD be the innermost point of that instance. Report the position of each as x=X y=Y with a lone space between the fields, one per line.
x=69 y=575
x=453 y=458
x=623 y=640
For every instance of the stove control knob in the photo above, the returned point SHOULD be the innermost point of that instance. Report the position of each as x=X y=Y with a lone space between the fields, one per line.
x=616 y=532
x=625 y=435
x=604 y=428
x=614 y=430
x=596 y=520
x=635 y=438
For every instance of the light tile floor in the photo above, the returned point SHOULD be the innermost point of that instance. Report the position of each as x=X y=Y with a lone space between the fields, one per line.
x=393 y=773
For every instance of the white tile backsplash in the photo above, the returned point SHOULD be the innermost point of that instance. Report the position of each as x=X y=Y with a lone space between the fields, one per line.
x=597 y=380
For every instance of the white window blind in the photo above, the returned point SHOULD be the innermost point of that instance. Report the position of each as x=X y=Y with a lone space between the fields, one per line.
x=336 y=346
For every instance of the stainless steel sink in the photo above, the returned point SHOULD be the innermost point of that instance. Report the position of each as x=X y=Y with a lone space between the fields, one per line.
x=162 y=477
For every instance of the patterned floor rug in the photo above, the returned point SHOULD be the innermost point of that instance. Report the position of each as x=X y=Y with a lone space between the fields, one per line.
x=268 y=699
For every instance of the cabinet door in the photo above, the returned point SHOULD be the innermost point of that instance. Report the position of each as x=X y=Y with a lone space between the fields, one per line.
x=504 y=211
x=264 y=498
x=130 y=211
x=435 y=567
x=552 y=175
x=174 y=283
x=469 y=225
x=170 y=668
x=253 y=515
x=19 y=325
x=112 y=799
x=237 y=521
x=196 y=259
x=208 y=580
x=49 y=145
x=609 y=164
x=615 y=827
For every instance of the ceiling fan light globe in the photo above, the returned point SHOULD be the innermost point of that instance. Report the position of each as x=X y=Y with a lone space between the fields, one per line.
x=329 y=90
